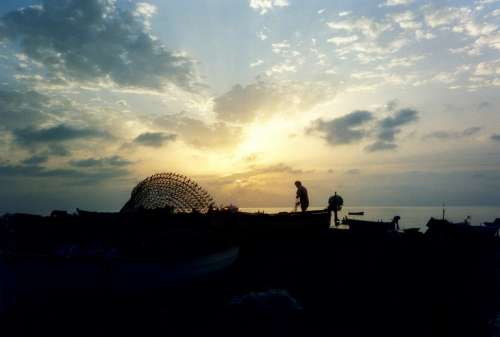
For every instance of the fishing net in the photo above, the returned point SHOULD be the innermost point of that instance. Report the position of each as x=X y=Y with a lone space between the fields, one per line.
x=169 y=191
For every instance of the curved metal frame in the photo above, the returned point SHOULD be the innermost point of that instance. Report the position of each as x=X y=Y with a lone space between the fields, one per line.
x=173 y=190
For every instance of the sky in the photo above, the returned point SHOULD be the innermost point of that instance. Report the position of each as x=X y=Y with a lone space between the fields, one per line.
x=387 y=102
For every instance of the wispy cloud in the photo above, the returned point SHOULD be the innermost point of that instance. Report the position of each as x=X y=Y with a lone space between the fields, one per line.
x=264 y=6
x=450 y=135
x=56 y=134
x=392 y=3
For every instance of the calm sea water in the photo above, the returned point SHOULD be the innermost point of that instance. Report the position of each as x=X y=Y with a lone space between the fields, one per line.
x=410 y=216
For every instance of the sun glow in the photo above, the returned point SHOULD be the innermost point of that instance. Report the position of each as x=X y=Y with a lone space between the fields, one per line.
x=265 y=138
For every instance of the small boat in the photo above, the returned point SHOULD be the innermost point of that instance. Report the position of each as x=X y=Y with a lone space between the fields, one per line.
x=372 y=226
x=442 y=228
x=273 y=223
x=495 y=224
x=356 y=213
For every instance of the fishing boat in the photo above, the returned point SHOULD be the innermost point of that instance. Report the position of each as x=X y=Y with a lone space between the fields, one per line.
x=494 y=224
x=356 y=213
x=366 y=226
x=442 y=228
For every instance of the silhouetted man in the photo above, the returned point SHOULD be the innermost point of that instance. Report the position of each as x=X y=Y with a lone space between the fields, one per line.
x=302 y=197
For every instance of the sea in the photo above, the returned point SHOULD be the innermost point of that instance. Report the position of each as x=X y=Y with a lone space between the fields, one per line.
x=411 y=217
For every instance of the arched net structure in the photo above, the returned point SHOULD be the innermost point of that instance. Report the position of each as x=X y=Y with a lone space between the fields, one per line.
x=169 y=191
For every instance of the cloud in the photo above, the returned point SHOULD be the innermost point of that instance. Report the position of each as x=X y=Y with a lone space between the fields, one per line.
x=364 y=26
x=95 y=41
x=392 y=3
x=81 y=176
x=116 y=161
x=357 y=125
x=57 y=150
x=255 y=171
x=281 y=68
x=35 y=160
x=388 y=127
x=343 y=130
x=241 y=104
x=491 y=68
x=496 y=137
x=381 y=146
x=365 y=39
x=256 y=63
x=392 y=104
x=406 y=20
x=280 y=47
x=342 y=40
x=447 y=135
x=21 y=108
x=154 y=139
x=262 y=99
x=264 y=6
x=199 y=133
x=444 y=16
x=262 y=35
x=60 y=133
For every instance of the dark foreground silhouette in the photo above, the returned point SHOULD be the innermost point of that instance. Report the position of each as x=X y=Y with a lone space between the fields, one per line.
x=237 y=274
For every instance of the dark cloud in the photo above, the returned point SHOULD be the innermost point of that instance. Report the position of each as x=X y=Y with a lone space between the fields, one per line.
x=58 y=150
x=77 y=176
x=200 y=134
x=60 y=133
x=496 y=137
x=100 y=162
x=446 y=135
x=388 y=127
x=400 y=118
x=21 y=108
x=343 y=130
x=35 y=160
x=356 y=126
x=95 y=40
x=380 y=146
x=154 y=139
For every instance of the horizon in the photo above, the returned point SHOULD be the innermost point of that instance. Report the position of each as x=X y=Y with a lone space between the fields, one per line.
x=388 y=101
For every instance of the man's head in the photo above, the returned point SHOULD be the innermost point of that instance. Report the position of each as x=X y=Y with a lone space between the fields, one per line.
x=298 y=184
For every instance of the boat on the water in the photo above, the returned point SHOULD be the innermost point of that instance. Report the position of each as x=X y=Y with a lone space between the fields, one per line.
x=356 y=213
x=442 y=228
